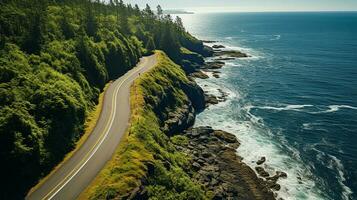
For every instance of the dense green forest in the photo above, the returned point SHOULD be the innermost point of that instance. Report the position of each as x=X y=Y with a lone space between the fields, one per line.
x=55 y=58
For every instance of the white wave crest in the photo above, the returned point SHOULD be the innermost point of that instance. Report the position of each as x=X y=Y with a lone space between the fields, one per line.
x=276 y=37
x=336 y=164
x=286 y=108
x=335 y=108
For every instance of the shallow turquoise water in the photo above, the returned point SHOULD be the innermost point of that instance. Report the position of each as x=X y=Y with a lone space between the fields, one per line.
x=294 y=101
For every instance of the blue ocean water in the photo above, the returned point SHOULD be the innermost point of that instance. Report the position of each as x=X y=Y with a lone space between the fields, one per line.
x=294 y=101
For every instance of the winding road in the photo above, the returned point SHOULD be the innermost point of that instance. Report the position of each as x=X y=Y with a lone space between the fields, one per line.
x=70 y=179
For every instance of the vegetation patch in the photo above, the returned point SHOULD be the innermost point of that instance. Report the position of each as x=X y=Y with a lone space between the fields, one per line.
x=147 y=163
x=56 y=56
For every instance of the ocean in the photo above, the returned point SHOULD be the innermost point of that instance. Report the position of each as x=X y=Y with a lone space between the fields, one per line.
x=294 y=101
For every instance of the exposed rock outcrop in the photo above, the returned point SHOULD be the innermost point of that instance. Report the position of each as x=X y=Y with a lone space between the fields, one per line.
x=230 y=53
x=218 y=46
x=216 y=165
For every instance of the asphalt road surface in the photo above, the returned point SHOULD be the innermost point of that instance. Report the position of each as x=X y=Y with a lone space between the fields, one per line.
x=77 y=172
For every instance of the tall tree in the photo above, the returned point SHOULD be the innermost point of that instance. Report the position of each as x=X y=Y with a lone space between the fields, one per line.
x=148 y=11
x=91 y=22
x=179 y=23
x=159 y=11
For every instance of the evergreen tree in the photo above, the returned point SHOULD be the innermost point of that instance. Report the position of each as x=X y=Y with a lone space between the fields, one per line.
x=150 y=45
x=91 y=23
x=160 y=12
x=169 y=43
x=136 y=9
x=148 y=12
x=179 y=24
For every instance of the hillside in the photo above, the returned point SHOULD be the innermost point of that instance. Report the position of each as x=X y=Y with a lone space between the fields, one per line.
x=55 y=59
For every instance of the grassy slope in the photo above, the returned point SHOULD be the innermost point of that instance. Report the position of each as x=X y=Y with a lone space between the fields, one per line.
x=146 y=155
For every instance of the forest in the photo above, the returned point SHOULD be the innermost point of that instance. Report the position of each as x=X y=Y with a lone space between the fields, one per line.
x=55 y=58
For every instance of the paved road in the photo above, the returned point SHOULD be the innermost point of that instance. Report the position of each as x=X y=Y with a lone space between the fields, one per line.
x=78 y=171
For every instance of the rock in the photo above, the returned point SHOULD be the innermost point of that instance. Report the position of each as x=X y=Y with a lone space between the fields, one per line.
x=213 y=65
x=261 y=160
x=199 y=74
x=211 y=99
x=216 y=75
x=196 y=166
x=231 y=53
x=206 y=51
x=225 y=136
x=261 y=172
x=208 y=41
x=281 y=174
x=206 y=154
x=179 y=119
x=224 y=58
x=203 y=138
x=196 y=95
x=201 y=161
x=195 y=153
x=218 y=46
x=214 y=182
x=197 y=132
x=274 y=186
x=189 y=67
x=217 y=166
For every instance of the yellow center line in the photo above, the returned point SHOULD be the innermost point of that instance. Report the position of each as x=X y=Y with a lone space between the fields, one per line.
x=100 y=139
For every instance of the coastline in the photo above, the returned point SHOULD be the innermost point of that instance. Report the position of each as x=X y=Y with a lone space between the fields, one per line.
x=164 y=156
x=257 y=182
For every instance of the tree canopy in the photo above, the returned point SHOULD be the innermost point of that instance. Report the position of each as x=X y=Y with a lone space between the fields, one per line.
x=55 y=58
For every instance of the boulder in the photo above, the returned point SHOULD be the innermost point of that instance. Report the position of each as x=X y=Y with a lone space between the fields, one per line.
x=211 y=99
x=216 y=75
x=199 y=74
x=213 y=65
x=224 y=58
x=195 y=94
x=261 y=172
x=230 y=53
x=261 y=161
x=225 y=136
x=219 y=46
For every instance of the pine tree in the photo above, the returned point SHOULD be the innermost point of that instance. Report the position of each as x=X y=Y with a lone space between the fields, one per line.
x=169 y=42
x=160 y=12
x=150 y=45
x=179 y=23
x=91 y=23
x=149 y=13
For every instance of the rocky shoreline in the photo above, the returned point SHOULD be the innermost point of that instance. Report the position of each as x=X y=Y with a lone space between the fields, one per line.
x=215 y=162
x=212 y=160
x=216 y=165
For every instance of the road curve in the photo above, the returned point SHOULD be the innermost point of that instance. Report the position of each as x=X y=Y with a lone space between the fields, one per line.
x=77 y=172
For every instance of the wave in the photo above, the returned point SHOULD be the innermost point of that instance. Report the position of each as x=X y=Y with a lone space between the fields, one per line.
x=254 y=55
x=286 y=108
x=258 y=140
x=276 y=37
x=301 y=108
x=335 y=108
x=336 y=164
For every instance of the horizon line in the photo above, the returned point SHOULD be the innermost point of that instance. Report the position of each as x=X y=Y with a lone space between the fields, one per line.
x=205 y=10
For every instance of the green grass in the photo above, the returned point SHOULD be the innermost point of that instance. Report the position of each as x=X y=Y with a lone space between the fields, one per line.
x=146 y=145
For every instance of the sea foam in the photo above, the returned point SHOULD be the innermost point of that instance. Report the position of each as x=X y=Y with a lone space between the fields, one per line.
x=256 y=141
